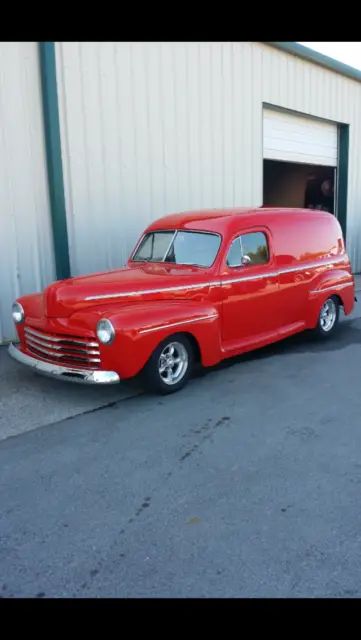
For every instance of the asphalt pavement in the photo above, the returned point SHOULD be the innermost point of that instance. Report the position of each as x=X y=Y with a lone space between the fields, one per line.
x=29 y=401
x=246 y=483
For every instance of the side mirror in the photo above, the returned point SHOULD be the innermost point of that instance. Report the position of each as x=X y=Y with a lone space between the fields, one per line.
x=246 y=260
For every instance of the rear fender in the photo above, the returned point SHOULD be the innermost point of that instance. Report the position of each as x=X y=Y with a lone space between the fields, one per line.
x=338 y=282
x=140 y=328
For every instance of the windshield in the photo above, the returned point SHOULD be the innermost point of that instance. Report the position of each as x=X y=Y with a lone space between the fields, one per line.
x=179 y=247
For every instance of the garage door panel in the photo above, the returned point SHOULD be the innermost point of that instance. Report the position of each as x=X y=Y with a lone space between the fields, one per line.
x=305 y=138
x=302 y=148
x=288 y=154
x=299 y=139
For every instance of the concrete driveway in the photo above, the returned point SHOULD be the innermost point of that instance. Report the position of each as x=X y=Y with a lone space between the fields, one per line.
x=28 y=401
x=247 y=483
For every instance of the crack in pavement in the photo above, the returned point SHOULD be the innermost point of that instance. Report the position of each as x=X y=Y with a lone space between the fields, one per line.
x=207 y=431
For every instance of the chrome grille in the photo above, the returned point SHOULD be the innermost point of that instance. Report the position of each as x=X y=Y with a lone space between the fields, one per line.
x=61 y=349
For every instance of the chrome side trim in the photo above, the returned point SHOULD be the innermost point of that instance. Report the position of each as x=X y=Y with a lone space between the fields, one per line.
x=314 y=265
x=71 y=339
x=274 y=274
x=63 y=373
x=146 y=291
x=176 y=324
x=336 y=286
x=259 y=276
x=217 y=283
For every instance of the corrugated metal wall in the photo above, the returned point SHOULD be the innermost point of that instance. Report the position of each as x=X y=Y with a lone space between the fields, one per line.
x=26 y=252
x=151 y=128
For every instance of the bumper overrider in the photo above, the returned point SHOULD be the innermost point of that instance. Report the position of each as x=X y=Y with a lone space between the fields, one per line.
x=63 y=373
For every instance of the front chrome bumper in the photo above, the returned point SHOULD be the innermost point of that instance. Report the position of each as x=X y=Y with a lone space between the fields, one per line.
x=63 y=373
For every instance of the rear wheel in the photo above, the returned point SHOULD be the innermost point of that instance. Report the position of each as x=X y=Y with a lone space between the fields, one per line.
x=328 y=318
x=170 y=365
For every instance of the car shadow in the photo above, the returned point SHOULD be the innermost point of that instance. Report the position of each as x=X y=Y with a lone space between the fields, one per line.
x=348 y=333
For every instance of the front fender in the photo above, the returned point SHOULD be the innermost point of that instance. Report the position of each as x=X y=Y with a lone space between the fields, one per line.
x=339 y=282
x=140 y=328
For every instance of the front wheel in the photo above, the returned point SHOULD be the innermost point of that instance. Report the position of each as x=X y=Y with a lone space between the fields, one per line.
x=170 y=365
x=328 y=318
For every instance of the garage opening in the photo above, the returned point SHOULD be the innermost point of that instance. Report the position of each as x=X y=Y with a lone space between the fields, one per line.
x=300 y=159
x=288 y=184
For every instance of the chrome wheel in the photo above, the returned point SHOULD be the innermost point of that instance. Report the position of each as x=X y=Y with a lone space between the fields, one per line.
x=173 y=363
x=328 y=315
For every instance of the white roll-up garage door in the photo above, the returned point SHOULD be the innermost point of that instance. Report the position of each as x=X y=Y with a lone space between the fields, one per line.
x=294 y=138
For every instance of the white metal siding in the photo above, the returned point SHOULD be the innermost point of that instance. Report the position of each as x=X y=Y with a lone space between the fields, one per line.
x=152 y=128
x=26 y=251
x=299 y=139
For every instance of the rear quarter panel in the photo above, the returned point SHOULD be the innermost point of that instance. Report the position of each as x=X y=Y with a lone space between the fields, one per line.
x=313 y=264
x=338 y=281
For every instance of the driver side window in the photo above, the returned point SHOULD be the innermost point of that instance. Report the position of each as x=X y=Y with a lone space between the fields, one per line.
x=248 y=249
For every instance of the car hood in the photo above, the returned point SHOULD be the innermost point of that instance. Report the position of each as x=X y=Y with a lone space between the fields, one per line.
x=150 y=282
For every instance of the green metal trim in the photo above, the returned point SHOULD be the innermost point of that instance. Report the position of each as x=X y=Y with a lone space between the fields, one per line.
x=344 y=134
x=54 y=159
x=300 y=51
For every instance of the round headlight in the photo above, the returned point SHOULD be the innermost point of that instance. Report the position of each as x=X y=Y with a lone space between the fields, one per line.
x=105 y=331
x=18 y=313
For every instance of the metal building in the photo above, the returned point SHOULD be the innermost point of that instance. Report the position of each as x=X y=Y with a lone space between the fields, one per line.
x=26 y=247
x=98 y=139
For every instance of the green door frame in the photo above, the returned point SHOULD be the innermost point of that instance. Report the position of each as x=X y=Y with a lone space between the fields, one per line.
x=54 y=158
x=343 y=155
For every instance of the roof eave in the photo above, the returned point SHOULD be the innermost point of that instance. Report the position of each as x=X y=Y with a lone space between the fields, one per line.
x=300 y=51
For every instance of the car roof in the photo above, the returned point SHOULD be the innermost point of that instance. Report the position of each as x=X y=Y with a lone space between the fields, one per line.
x=223 y=220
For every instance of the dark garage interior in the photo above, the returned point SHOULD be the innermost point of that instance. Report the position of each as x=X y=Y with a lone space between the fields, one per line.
x=290 y=184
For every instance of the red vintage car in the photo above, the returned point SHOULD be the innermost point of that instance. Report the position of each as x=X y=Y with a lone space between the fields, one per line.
x=199 y=286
